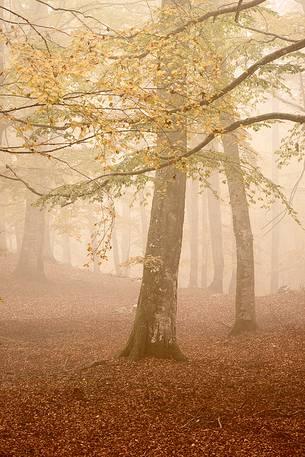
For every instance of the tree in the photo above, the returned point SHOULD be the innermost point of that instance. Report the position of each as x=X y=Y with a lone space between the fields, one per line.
x=105 y=100
x=275 y=234
x=245 y=318
x=154 y=330
x=31 y=261
x=194 y=232
x=216 y=286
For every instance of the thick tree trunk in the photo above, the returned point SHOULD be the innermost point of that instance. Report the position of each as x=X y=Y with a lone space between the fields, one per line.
x=194 y=232
x=31 y=264
x=216 y=286
x=245 y=319
x=154 y=330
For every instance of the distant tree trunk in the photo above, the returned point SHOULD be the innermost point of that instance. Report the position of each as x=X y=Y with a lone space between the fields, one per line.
x=31 y=264
x=115 y=251
x=144 y=223
x=125 y=238
x=48 y=248
x=3 y=238
x=18 y=236
x=204 y=246
x=96 y=258
x=245 y=319
x=275 y=234
x=66 y=249
x=154 y=330
x=216 y=286
x=194 y=232
x=232 y=284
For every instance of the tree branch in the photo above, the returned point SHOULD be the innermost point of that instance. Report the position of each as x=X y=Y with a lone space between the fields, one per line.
x=274 y=116
x=253 y=68
x=17 y=178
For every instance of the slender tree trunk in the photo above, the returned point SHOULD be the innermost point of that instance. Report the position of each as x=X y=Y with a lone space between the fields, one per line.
x=31 y=264
x=66 y=249
x=216 y=286
x=115 y=252
x=48 y=246
x=194 y=232
x=144 y=224
x=154 y=330
x=204 y=246
x=125 y=238
x=232 y=284
x=275 y=234
x=18 y=236
x=3 y=238
x=245 y=319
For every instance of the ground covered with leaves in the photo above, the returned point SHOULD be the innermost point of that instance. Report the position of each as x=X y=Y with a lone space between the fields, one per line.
x=242 y=396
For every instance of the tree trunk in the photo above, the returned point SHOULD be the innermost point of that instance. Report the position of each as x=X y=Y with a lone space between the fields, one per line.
x=66 y=250
x=115 y=251
x=275 y=234
x=204 y=246
x=245 y=319
x=232 y=284
x=216 y=286
x=154 y=330
x=194 y=232
x=3 y=238
x=144 y=226
x=125 y=238
x=31 y=264
x=48 y=247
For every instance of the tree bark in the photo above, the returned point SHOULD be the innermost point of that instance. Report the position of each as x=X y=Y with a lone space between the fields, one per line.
x=154 y=330
x=216 y=286
x=245 y=318
x=115 y=251
x=144 y=226
x=275 y=234
x=31 y=264
x=194 y=232
x=66 y=250
x=48 y=246
x=125 y=238
x=3 y=238
x=204 y=246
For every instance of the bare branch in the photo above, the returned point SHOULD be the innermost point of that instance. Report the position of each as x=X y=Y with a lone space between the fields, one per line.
x=238 y=10
x=17 y=178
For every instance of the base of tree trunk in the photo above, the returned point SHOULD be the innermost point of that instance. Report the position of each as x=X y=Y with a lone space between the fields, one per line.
x=243 y=326
x=136 y=352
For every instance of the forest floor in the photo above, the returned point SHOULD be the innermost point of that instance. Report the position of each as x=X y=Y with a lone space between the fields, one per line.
x=242 y=396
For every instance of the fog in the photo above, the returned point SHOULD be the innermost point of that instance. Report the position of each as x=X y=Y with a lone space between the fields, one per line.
x=152 y=228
